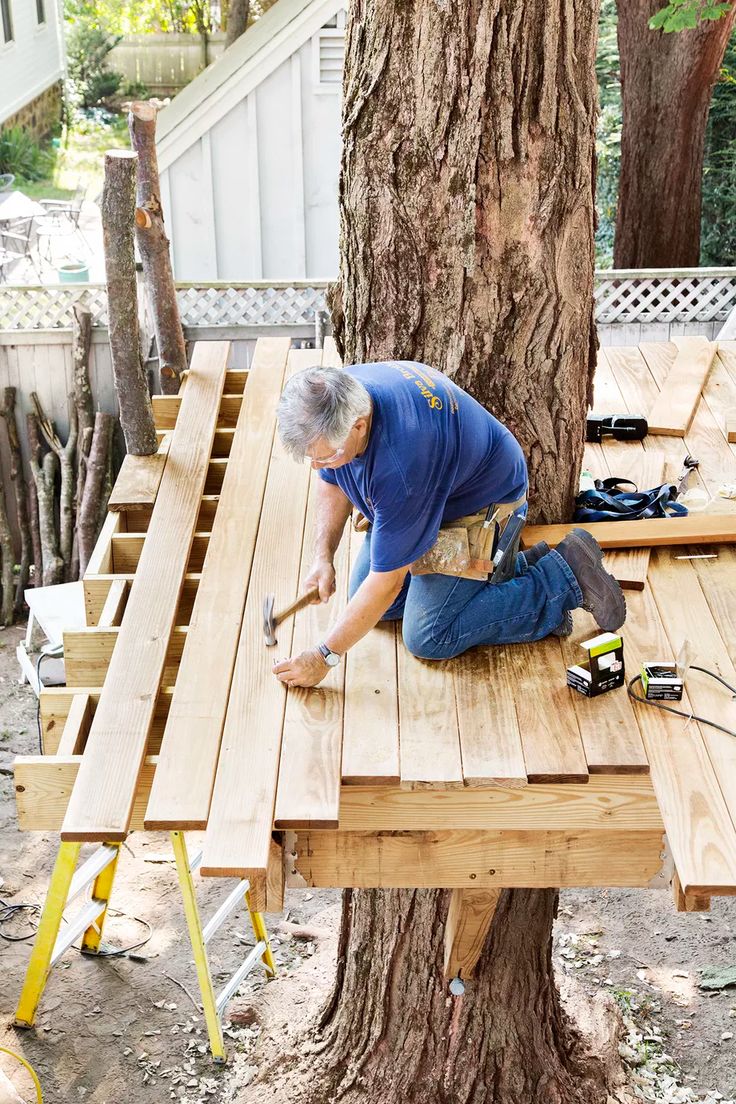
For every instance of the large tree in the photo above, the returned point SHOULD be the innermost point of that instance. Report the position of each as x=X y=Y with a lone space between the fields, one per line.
x=466 y=242
x=666 y=88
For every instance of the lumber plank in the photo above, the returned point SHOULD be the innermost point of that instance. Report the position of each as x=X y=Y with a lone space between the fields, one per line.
x=166 y=410
x=87 y=654
x=43 y=786
x=550 y=734
x=55 y=703
x=635 y=381
x=76 y=727
x=275 y=878
x=674 y=407
x=688 y=902
x=699 y=829
x=102 y=801
x=188 y=760
x=608 y=726
x=478 y=860
x=115 y=603
x=241 y=812
x=308 y=793
x=370 y=745
x=650 y=533
x=608 y=803
x=469 y=920
x=139 y=478
x=97 y=589
x=428 y=724
x=490 y=739
x=127 y=549
x=646 y=469
x=100 y=562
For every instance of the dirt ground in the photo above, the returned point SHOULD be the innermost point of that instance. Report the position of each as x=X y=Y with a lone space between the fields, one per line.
x=126 y=1028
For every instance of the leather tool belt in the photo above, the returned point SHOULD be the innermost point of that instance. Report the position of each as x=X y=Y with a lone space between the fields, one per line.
x=466 y=546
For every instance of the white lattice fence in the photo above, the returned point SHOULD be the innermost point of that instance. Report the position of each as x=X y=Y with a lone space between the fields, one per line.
x=689 y=295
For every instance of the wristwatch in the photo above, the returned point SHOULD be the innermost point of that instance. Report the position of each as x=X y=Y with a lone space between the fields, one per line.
x=331 y=658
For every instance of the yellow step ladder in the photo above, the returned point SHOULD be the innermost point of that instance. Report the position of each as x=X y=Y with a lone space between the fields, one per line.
x=94 y=881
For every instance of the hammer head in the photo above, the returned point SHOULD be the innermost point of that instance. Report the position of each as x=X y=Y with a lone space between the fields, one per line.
x=269 y=629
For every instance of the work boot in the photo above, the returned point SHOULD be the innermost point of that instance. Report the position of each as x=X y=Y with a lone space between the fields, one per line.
x=565 y=626
x=602 y=595
x=541 y=548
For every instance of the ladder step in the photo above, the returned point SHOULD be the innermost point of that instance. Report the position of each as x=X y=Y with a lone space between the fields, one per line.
x=233 y=899
x=90 y=869
x=77 y=926
x=231 y=987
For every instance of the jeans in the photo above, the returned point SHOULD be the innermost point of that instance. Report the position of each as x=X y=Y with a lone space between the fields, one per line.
x=444 y=616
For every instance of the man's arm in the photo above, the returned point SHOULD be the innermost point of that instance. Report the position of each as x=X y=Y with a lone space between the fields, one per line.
x=333 y=510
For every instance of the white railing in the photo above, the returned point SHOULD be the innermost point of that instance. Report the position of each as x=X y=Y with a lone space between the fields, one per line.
x=686 y=295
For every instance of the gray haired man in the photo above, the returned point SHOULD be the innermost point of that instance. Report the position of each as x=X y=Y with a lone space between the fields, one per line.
x=419 y=458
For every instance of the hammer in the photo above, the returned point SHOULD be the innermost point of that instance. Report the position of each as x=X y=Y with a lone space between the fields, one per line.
x=271 y=620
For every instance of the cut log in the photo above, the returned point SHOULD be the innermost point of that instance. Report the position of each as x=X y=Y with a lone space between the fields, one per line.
x=66 y=455
x=19 y=491
x=89 y=508
x=44 y=475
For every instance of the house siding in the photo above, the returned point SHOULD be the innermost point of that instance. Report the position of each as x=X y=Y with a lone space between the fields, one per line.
x=31 y=69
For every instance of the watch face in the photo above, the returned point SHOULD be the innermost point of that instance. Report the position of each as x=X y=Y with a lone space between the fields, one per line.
x=332 y=659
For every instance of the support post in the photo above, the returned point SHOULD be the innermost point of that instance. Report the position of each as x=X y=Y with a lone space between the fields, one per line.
x=469 y=919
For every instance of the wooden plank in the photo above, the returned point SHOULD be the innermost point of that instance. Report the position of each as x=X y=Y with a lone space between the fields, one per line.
x=370 y=745
x=166 y=409
x=688 y=902
x=97 y=590
x=186 y=773
x=308 y=793
x=699 y=829
x=115 y=603
x=550 y=734
x=428 y=724
x=608 y=802
x=478 y=860
x=731 y=428
x=653 y=532
x=43 y=785
x=469 y=920
x=490 y=739
x=139 y=478
x=127 y=549
x=646 y=469
x=673 y=409
x=241 y=813
x=76 y=728
x=275 y=878
x=100 y=562
x=608 y=726
x=88 y=652
x=56 y=701
x=102 y=801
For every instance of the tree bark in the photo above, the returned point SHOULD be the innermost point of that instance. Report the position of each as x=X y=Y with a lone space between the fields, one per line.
x=19 y=490
x=88 y=521
x=153 y=246
x=67 y=461
x=666 y=88
x=118 y=215
x=466 y=199
x=34 y=525
x=83 y=401
x=7 y=553
x=237 y=20
x=44 y=475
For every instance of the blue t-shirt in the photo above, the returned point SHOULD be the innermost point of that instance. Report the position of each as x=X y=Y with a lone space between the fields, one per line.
x=434 y=454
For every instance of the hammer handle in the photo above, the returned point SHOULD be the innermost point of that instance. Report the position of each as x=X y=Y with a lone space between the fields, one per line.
x=305 y=600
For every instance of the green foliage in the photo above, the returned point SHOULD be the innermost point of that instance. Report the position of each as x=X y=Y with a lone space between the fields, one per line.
x=718 y=224
x=22 y=156
x=684 y=15
x=91 y=80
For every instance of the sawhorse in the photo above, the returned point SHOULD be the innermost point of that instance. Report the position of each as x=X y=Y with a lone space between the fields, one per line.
x=96 y=875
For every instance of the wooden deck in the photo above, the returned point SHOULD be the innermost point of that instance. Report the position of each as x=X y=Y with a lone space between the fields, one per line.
x=481 y=772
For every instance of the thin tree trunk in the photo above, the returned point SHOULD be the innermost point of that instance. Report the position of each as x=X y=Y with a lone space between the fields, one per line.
x=83 y=401
x=67 y=460
x=153 y=246
x=44 y=474
x=19 y=490
x=7 y=552
x=88 y=521
x=237 y=20
x=35 y=528
x=118 y=214
x=666 y=88
x=466 y=201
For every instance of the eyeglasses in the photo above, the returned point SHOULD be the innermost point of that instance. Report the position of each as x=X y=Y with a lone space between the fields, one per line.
x=322 y=461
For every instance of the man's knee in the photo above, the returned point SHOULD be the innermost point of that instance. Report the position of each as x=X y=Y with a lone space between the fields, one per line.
x=420 y=642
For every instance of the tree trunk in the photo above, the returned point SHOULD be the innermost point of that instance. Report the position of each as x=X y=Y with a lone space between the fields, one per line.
x=44 y=474
x=467 y=212
x=466 y=200
x=7 y=553
x=153 y=246
x=67 y=461
x=34 y=526
x=666 y=87
x=118 y=214
x=19 y=490
x=237 y=20
x=88 y=519
x=83 y=401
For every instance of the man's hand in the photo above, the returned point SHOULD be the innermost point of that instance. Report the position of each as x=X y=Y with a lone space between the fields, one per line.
x=322 y=575
x=306 y=669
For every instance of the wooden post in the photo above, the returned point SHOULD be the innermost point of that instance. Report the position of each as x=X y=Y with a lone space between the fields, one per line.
x=118 y=212
x=154 y=250
x=19 y=489
x=89 y=508
x=688 y=902
x=469 y=919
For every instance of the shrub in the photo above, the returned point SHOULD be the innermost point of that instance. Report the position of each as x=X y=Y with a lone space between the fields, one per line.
x=91 y=80
x=21 y=155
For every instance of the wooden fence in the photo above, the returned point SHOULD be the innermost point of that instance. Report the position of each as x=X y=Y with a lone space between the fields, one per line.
x=165 y=63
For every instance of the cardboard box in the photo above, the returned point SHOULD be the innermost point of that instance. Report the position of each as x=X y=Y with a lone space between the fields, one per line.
x=661 y=682
x=604 y=668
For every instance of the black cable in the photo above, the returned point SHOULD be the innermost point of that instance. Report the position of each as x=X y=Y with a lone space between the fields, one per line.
x=118 y=952
x=681 y=712
x=42 y=655
x=7 y=912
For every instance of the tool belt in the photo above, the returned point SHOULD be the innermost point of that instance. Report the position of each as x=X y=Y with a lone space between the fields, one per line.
x=466 y=546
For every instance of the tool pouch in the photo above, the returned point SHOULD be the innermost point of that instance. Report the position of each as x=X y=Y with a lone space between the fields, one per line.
x=465 y=547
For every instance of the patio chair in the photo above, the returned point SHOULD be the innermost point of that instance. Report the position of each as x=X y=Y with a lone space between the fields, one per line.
x=16 y=242
x=61 y=220
x=6 y=181
x=12 y=253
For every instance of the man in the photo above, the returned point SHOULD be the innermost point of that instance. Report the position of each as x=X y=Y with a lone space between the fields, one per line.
x=412 y=452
